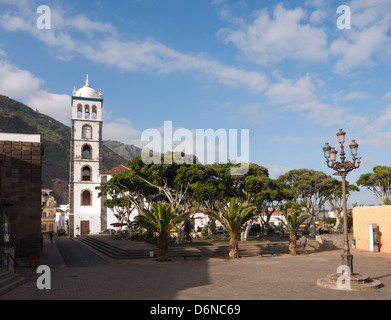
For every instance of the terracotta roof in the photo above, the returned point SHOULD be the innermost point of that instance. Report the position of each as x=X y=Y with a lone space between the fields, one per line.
x=118 y=169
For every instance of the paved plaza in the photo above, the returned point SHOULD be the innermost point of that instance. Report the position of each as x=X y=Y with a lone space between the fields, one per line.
x=78 y=273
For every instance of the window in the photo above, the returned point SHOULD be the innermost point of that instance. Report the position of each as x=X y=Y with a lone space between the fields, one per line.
x=79 y=111
x=86 y=152
x=86 y=173
x=94 y=112
x=86 y=198
x=87 y=132
x=86 y=111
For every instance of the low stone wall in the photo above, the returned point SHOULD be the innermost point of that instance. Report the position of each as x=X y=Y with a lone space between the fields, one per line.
x=334 y=240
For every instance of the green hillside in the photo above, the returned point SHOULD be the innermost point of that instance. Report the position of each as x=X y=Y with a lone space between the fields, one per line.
x=126 y=151
x=15 y=116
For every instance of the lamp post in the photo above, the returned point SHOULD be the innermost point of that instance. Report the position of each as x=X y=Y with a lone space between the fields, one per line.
x=342 y=168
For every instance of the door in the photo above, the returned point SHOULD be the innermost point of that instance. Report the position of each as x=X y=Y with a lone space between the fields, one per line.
x=85 y=227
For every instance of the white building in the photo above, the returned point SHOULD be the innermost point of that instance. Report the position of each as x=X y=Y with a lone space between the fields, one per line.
x=62 y=216
x=86 y=213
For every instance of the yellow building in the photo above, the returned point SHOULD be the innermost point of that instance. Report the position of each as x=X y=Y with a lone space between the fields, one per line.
x=49 y=206
x=372 y=228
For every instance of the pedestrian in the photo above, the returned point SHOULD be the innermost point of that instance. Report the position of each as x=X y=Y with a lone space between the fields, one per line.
x=51 y=236
x=303 y=242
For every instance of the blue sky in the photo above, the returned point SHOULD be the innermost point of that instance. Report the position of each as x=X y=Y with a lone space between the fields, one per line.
x=281 y=69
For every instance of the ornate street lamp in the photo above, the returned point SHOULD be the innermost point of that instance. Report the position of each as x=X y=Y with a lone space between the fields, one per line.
x=342 y=168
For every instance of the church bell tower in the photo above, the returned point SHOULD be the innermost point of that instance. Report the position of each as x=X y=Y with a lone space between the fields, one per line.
x=85 y=162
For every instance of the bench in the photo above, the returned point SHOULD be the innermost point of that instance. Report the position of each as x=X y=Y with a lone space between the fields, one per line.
x=271 y=253
x=198 y=256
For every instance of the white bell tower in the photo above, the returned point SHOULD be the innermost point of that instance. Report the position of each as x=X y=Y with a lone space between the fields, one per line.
x=85 y=162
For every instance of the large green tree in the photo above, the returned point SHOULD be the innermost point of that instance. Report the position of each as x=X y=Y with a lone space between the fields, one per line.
x=379 y=182
x=335 y=199
x=172 y=183
x=311 y=188
x=267 y=194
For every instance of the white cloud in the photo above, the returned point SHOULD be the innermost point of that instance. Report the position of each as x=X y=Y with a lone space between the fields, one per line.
x=381 y=140
x=384 y=119
x=354 y=95
x=57 y=106
x=22 y=85
x=387 y=95
x=300 y=96
x=358 y=48
x=368 y=37
x=122 y=130
x=284 y=35
x=99 y=42
x=290 y=91
x=17 y=83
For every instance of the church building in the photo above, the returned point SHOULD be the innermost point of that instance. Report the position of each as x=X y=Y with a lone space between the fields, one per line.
x=86 y=212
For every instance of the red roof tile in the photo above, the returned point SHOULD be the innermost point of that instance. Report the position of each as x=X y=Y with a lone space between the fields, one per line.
x=118 y=169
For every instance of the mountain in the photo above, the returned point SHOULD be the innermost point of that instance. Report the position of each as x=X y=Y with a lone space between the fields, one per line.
x=15 y=116
x=126 y=151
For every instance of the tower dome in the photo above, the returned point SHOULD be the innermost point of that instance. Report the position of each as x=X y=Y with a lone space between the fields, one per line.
x=87 y=92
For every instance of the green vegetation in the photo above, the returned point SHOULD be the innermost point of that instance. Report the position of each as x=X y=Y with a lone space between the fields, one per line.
x=160 y=220
x=293 y=219
x=233 y=216
x=379 y=182
x=17 y=117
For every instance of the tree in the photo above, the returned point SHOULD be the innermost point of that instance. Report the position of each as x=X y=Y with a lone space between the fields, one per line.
x=267 y=194
x=124 y=193
x=335 y=200
x=160 y=220
x=171 y=182
x=379 y=182
x=293 y=220
x=311 y=188
x=233 y=216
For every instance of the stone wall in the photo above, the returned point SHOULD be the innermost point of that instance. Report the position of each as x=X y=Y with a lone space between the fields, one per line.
x=334 y=240
x=20 y=194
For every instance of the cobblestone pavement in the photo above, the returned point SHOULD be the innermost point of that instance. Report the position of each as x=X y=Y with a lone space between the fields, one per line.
x=93 y=276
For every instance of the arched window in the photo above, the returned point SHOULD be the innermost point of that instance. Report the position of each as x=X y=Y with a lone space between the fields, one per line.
x=87 y=132
x=86 y=152
x=79 y=111
x=86 y=198
x=86 y=111
x=86 y=173
x=94 y=112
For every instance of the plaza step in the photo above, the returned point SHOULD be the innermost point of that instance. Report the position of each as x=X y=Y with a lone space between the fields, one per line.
x=9 y=281
x=113 y=251
x=246 y=249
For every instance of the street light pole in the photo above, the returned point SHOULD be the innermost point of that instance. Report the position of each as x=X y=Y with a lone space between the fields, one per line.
x=347 y=257
x=342 y=168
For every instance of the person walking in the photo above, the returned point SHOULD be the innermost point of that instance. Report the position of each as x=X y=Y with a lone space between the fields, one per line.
x=51 y=236
x=303 y=243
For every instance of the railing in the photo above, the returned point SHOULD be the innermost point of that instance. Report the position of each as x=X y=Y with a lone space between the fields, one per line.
x=8 y=260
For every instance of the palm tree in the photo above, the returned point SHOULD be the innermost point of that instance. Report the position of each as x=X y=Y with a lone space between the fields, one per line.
x=161 y=219
x=233 y=216
x=293 y=220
